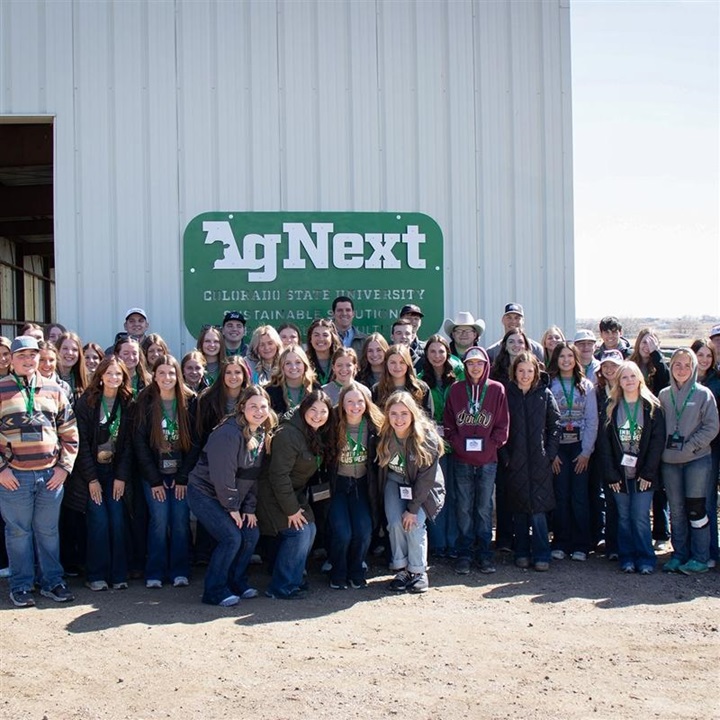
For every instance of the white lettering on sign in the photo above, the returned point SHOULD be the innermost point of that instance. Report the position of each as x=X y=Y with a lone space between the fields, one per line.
x=260 y=252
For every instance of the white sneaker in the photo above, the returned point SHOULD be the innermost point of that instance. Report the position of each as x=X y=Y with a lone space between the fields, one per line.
x=579 y=556
x=153 y=583
x=249 y=594
x=558 y=554
x=711 y=563
x=97 y=585
x=5 y=572
x=181 y=581
x=229 y=601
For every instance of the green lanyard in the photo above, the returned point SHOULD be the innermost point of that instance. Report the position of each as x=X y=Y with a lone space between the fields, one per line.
x=134 y=382
x=171 y=425
x=357 y=449
x=569 y=398
x=113 y=423
x=400 y=451
x=678 y=415
x=28 y=391
x=259 y=436
x=293 y=401
x=323 y=375
x=474 y=407
x=632 y=419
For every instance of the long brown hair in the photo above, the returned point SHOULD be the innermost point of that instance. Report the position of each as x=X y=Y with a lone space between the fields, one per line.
x=212 y=401
x=415 y=387
x=372 y=412
x=77 y=371
x=149 y=401
x=578 y=373
x=95 y=388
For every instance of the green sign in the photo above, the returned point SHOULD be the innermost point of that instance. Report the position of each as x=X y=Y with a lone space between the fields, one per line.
x=289 y=266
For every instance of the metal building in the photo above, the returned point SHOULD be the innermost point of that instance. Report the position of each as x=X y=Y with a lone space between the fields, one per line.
x=121 y=120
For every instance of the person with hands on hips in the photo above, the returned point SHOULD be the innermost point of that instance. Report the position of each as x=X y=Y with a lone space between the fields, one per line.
x=222 y=492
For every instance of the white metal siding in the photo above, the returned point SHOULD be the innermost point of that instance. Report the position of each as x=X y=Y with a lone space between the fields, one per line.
x=164 y=110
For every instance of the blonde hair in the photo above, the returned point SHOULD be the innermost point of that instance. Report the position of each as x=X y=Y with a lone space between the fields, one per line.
x=421 y=439
x=616 y=392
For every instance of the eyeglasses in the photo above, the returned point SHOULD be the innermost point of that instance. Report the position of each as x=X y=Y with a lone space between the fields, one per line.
x=463 y=331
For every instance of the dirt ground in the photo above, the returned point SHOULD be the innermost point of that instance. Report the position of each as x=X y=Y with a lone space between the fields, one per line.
x=579 y=641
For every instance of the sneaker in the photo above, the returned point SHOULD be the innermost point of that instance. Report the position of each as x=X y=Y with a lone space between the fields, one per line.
x=359 y=584
x=255 y=559
x=59 y=593
x=671 y=566
x=249 y=594
x=153 y=583
x=96 y=585
x=418 y=583
x=504 y=547
x=462 y=566
x=558 y=554
x=120 y=586
x=542 y=566
x=400 y=582
x=578 y=556
x=693 y=567
x=711 y=563
x=229 y=601
x=181 y=581
x=646 y=570
x=326 y=567
x=613 y=556
x=522 y=562
x=336 y=585
x=486 y=566
x=5 y=572
x=297 y=594
x=628 y=568
x=662 y=545
x=22 y=598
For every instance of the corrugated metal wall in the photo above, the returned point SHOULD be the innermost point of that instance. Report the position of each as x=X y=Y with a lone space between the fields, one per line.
x=164 y=110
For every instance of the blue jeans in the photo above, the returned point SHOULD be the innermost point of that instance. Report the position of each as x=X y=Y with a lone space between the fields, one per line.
x=293 y=548
x=168 y=552
x=539 y=548
x=227 y=570
x=571 y=517
x=634 y=538
x=474 y=505
x=350 y=523
x=684 y=481
x=106 y=555
x=443 y=530
x=408 y=548
x=31 y=516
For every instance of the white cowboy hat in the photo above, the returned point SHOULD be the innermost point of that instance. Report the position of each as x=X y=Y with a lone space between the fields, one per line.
x=464 y=318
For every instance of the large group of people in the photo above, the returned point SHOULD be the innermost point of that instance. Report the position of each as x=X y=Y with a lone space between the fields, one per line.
x=126 y=462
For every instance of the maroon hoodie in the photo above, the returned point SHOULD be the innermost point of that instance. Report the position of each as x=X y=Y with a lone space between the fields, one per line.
x=491 y=423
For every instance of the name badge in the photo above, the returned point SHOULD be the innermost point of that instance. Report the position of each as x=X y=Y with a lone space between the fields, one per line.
x=440 y=430
x=570 y=436
x=405 y=492
x=629 y=460
x=320 y=492
x=675 y=442
x=474 y=444
x=31 y=433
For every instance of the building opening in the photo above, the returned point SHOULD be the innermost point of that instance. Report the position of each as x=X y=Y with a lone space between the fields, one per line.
x=27 y=248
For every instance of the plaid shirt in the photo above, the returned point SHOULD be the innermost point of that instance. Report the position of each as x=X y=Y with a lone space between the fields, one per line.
x=48 y=438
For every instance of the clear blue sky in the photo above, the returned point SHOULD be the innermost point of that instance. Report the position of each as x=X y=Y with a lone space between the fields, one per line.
x=646 y=156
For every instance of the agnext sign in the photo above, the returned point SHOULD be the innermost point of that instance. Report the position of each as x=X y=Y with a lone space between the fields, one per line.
x=288 y=267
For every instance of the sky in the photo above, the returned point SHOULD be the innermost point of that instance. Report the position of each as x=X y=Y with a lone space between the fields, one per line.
x=646 y=157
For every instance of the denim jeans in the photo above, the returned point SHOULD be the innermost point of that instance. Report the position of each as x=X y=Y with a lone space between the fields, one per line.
x=106 y=533
x=682 y=481
x=408 y=548
x=350 y=524
x=226 y=573
x=634 y=538
x=31 y=516
x=443 y=530
x=293 y=548
x=571 y=517
x=168 y=552
x=539 y=547
x=712 y=498
x=474 y=485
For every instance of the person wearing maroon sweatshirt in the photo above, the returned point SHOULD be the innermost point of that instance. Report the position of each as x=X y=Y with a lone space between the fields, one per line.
x=476 y=421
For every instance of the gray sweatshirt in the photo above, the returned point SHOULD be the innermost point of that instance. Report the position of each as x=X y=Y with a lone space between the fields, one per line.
x=698 y=420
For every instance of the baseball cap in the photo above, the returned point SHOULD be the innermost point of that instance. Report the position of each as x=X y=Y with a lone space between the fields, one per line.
x=233 y=315
x=24 y=342
x=411 y=310
x=514 y=308
x=613 y=356
x=715 y=330
x=475 y=353
x=5 y=342
x=581 y=335
x=135 y=311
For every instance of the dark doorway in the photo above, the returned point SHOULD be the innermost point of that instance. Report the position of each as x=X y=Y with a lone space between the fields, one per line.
x=27 y=248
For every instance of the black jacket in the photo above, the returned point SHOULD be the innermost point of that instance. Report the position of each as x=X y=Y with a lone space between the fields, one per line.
x=652 y=444
x=531 y=447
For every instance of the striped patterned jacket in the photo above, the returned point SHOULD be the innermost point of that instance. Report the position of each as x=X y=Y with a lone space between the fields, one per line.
x=47 y=438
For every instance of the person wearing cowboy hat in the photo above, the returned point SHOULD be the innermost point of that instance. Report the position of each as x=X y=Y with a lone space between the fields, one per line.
x=464 y=332
x=514 y=319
